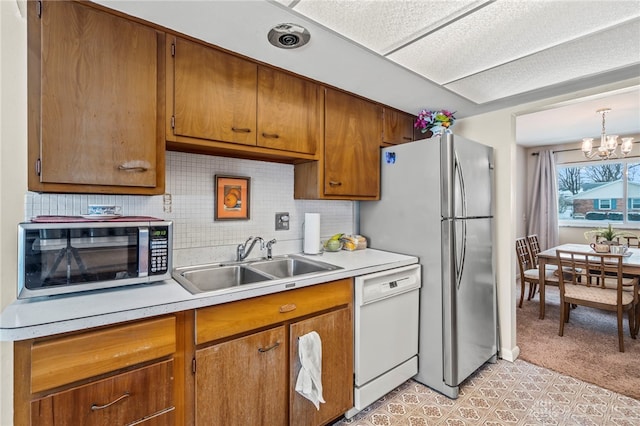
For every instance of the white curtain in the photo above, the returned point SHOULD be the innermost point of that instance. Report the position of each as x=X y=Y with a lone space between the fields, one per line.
x=543 y=217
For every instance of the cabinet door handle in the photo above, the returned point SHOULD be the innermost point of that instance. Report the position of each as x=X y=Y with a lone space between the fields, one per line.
x=271 y=135
x=267 y=349
x=134 y=166
x=241 y=129
x=334 y=183
x=288 y=308
x=132 y=169
x=407 y=138
x=96 y=407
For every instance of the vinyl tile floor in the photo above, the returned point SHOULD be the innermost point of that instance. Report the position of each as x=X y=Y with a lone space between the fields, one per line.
x=504 y=393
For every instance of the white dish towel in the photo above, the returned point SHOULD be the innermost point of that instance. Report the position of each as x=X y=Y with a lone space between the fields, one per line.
x=309 y=383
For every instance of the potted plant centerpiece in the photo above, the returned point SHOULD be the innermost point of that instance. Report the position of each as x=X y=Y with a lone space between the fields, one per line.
x=606 y=237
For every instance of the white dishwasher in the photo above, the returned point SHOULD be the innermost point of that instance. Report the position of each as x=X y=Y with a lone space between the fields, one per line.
x=386 y=333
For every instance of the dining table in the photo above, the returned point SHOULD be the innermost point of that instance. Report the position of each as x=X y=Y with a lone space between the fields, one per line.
x=630 y=264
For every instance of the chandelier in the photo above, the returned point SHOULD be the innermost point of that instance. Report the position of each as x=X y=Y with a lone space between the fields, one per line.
x=608 y=143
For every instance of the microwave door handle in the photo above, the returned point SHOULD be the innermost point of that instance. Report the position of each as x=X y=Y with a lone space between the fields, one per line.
x=143 y=251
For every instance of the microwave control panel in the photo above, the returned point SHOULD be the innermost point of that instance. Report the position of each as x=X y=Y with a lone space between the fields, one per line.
x=158 y=250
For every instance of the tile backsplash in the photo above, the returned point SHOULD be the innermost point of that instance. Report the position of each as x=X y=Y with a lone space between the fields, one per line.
x=189 y=201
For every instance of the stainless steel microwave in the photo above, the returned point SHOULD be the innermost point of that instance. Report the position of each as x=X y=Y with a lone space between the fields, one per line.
x=69 y=257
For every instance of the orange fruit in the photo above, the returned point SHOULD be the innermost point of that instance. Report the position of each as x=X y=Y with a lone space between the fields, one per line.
x=230 y=200
x=235 y=191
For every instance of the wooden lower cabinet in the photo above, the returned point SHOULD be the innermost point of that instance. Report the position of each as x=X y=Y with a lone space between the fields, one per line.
x=336 y=333
x=243 y=381
x=136 y=397
x=231 y=364
x=123 y=374
x=250 y=379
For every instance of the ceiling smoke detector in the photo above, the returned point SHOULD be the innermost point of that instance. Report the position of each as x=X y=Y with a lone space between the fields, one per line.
x=288 y=36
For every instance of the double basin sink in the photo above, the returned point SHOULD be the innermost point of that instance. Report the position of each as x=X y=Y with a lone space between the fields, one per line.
x=214 y=277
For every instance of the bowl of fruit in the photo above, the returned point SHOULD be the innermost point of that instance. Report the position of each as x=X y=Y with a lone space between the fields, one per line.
x=334 y=243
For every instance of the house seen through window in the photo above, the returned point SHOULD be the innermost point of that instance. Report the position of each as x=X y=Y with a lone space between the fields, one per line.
x=607 y=191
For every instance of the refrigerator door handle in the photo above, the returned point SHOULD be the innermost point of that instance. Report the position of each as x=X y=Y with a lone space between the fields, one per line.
x=460 y=261
x=460 y=177
x=463 y=231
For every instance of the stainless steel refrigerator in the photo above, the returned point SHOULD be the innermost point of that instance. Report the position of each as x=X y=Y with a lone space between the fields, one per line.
x=436 y=203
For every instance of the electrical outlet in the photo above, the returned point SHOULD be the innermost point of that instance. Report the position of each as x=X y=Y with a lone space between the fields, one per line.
x=282 y=221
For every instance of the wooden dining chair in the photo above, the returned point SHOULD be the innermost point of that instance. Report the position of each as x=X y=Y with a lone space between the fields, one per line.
x=529 y=273
x=602 y=286
x=629 y=241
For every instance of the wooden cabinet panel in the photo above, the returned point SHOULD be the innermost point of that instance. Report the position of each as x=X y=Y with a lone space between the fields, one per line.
x=94 y=106
x=353 y=135
x=214 y=94
x=143 y=393
x=397 y=126
x=243 y=381
x=68 y=359
x=220 y=321
x=289 y=112
x=336 y=333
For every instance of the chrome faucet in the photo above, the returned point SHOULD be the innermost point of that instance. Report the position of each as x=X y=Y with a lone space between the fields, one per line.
x=270 y=248
x=242 y=252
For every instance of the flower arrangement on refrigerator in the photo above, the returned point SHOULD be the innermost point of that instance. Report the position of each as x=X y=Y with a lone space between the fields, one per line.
x=437 y=122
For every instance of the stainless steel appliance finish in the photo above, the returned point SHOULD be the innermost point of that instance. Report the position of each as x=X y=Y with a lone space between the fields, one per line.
x=224 y=276
x=386 y=339
x=436 y=203
x=69 y=257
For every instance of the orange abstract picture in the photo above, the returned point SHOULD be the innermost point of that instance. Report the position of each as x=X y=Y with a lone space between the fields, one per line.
x=231 y=198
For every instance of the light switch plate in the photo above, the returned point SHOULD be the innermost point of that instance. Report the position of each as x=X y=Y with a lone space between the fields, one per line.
x=282 y=221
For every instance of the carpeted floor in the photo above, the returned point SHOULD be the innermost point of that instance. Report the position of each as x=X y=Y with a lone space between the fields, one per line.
x=588 y=350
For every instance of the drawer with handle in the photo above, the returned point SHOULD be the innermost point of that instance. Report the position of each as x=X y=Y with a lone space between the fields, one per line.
x=141 y=396
x=220 y=321
x=64 y=360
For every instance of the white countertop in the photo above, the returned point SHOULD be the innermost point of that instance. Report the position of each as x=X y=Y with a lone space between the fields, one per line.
x=26 y=319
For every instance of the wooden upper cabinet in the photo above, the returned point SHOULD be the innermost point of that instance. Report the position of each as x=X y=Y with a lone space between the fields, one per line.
x=220 y=97
x=353 y=135
x=397 y=126
x=289 y=112
x=214 y=94
x=95 y=85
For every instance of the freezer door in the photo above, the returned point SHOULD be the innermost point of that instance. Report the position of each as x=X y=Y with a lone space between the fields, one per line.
x=469 y=166
x=469 y=297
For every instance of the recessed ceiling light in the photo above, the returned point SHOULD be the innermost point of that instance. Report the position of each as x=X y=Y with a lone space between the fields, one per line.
x=288 y=36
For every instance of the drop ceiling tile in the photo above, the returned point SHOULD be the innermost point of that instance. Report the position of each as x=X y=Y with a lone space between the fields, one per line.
x=600 y=52
x=505 y=31
x=379 y=24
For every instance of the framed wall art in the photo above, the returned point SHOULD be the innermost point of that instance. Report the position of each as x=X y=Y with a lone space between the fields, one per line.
x=232 y=197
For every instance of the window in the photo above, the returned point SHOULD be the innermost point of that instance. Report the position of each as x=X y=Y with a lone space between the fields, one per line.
x=607 y=191
x=604 y=204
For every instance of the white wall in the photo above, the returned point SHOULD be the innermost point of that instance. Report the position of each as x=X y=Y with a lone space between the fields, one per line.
x=13 y=177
